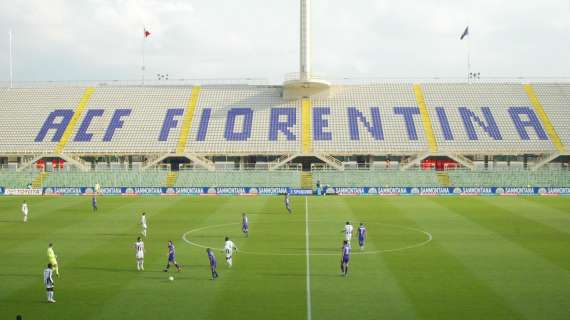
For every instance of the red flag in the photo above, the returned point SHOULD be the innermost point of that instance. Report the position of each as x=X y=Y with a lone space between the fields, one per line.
x=146 y=33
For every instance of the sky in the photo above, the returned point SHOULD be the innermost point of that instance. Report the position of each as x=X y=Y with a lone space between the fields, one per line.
x=69 y=40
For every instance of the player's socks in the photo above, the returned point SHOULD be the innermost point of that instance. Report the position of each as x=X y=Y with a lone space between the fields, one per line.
x=142 y=265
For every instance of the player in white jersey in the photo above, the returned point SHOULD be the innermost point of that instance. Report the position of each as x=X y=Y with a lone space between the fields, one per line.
x=139 y=253
x=229 y=249
x=143 y=224
x=48 y=282
x=25 y=211
x=288 y=203
x=348 y=229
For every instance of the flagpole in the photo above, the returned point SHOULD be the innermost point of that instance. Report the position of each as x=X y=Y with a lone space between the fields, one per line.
x=469 y=58
x=143 y=66
x=11 y=38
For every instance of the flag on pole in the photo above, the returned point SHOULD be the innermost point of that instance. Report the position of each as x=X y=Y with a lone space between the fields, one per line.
x=465 y=33
x=146 y=33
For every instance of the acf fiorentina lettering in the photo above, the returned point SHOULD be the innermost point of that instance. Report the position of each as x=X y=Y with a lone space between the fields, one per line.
x=239 y=122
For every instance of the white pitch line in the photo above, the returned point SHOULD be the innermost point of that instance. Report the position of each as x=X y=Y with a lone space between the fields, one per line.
x=308 y=254
x=428 y=235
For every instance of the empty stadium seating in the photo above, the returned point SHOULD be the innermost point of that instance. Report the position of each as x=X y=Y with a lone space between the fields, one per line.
x=255 y=120
x=456 y=178
x=238 y=178
x=111 y=178
x=513 y=177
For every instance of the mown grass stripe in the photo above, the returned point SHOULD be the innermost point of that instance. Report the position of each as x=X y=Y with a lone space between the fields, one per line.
x=540 y=239
x=450 y=286
x=527 y=281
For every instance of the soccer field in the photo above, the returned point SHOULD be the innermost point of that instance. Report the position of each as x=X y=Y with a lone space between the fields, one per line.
x=425 y=258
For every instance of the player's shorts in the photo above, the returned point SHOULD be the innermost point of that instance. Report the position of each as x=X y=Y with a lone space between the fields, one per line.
x=213 y=265
x=347 y=237
x=345 y=259
x=361 y=241
x=245 y=228
x=228 y=253
x=171 y=258
x=144 y=226
x=53 y=262
x=140 y=255
x=50 y=288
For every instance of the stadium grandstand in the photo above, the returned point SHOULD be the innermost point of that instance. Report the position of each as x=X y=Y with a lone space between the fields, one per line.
x=303 y=133
x=379 y=134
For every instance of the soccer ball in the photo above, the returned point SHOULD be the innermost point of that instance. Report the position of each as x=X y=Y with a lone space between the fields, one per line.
x=171 y=278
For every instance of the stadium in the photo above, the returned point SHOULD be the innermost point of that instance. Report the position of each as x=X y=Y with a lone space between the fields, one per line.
x=426 y=166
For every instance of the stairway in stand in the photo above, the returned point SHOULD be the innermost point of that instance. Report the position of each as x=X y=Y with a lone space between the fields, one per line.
x=171 y=178
x=444 y=179
x=39 y=180
x=306 y=180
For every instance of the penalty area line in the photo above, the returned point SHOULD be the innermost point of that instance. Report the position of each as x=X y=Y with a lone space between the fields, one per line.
x=308 y=255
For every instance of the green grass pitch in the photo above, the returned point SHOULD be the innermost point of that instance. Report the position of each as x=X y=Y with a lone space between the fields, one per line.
x=489 y=258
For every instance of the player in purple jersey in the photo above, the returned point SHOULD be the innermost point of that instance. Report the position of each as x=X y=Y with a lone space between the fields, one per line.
x=345 y=258
x=245 y=225
x=94 y=203
x=361 y=236
x=213 y=263
x=171 y=257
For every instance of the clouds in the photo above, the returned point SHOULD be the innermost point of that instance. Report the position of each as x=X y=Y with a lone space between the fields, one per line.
x=96 y=39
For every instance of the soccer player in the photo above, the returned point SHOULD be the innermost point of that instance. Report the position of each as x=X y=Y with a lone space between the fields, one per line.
x=229 y=249
x=288 y=203
x=171 y=257
x=139 y=253
x=213 y=263
x=48 y=282
x=348 y=229
x=143 y=224
x=94 y=203
x=52 y=259
x=345 y=258
x=361 y=236
x=245 y=225
x=25 y=211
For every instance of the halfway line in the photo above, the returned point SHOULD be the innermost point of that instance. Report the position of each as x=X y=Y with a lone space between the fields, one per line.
x=308 y=253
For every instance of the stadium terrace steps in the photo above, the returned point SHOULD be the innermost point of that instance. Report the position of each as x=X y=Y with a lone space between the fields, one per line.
x=74 y=119
x=306 y=180
x=444 y=179
x=552 y=101
x=380 y=119
x=428 y=128
x=171 y=178
x=187 y=122
x=306 y=136
x=39 y=179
